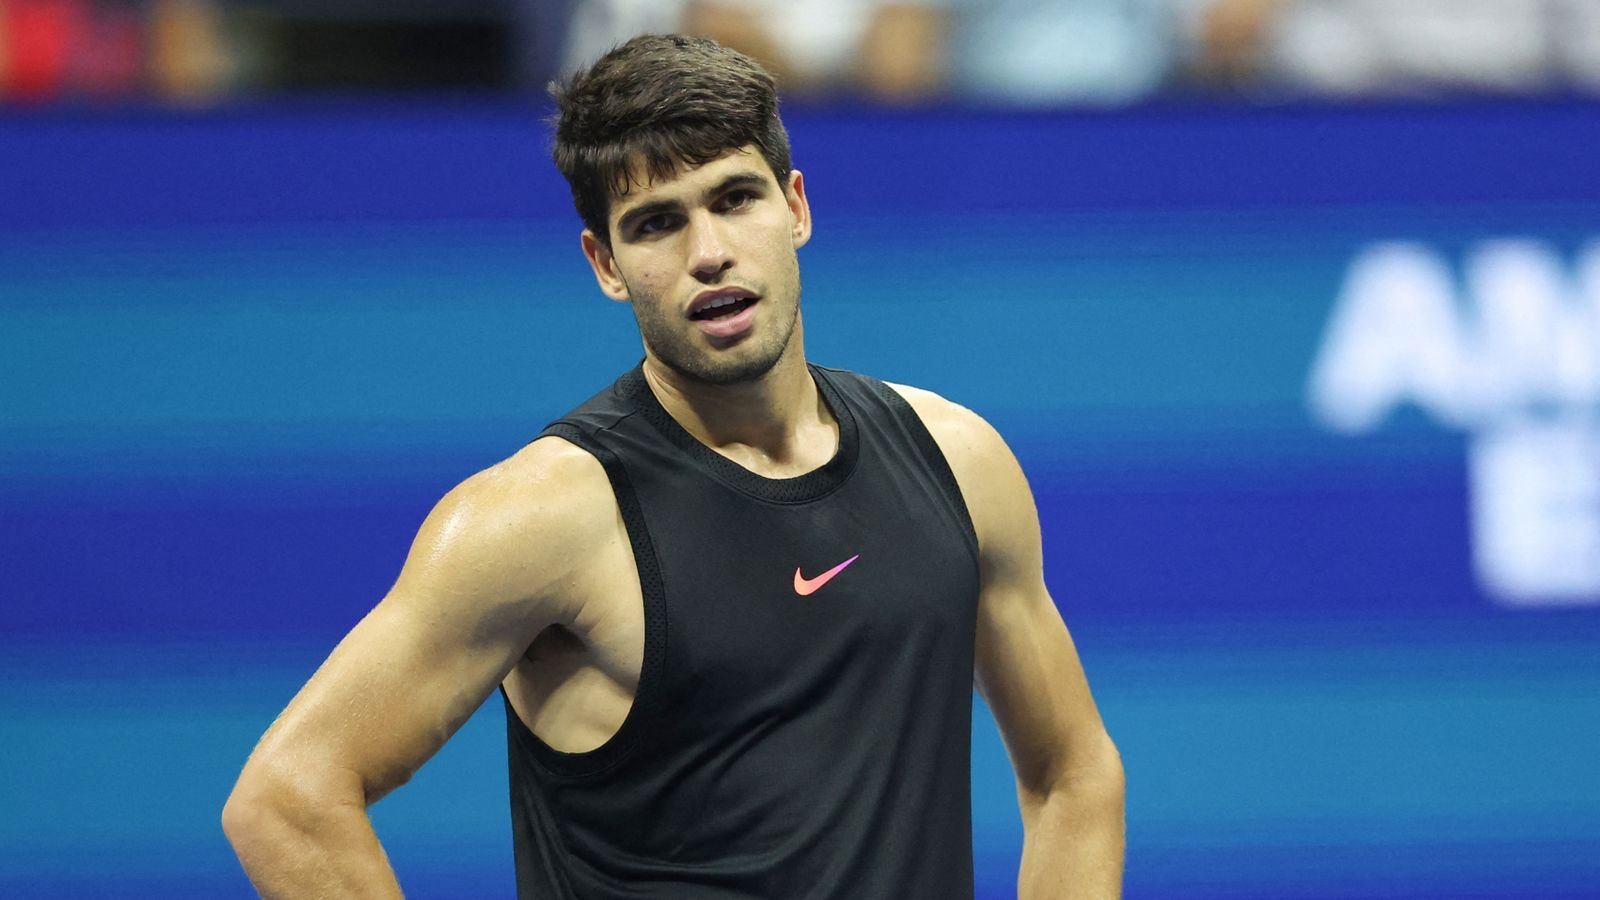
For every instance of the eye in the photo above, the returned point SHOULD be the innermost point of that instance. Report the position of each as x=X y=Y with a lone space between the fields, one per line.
x=739 y=199
x=654 y=225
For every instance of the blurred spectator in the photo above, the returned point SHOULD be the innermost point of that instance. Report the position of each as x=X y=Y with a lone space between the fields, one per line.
x=598 y=25
x=1063 y=51
x=1031 y=52
x=189 y=61
x=111 y=49
x=1383 y=47
x=889 y=50
x=43 y=42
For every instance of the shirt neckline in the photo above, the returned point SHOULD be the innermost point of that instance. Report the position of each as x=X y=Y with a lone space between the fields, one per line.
x=812 y=485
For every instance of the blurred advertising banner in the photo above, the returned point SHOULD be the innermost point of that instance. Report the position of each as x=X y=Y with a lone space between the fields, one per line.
x=1507 y=351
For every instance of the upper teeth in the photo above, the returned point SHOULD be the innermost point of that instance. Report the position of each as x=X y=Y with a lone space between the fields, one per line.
x=721 y=301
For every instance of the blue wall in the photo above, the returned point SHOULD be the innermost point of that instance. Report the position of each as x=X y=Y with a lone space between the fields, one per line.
x=242 y=353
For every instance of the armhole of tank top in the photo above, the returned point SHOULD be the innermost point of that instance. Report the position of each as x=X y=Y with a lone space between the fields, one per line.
x=618 y=748
x=936 y=460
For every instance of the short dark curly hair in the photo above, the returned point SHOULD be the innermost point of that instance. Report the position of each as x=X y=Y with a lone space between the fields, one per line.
x=653 y=105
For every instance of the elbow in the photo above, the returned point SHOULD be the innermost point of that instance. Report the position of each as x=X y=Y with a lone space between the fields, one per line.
x=1091 y=773
x=1109 y=761
x=279 y=794
x=240 y=820
x=1116 y=781
x=273 y=798
x=1104 y=786
x=252 y=809
x=1101 y=770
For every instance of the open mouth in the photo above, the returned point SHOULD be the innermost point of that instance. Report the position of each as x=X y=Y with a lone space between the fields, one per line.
x=722 y=308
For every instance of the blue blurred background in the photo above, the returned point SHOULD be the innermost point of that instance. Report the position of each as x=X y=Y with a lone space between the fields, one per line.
x=1307 y=393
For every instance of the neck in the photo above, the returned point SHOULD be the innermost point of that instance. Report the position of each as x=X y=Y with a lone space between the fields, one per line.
x=776 y=425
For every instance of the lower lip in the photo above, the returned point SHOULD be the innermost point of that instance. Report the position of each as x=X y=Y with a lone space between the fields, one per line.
x=729 y=326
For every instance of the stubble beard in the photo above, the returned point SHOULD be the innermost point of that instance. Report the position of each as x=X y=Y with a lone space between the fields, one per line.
x=745 y=362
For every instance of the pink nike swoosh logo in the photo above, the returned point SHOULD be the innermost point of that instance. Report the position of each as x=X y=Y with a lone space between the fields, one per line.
x=805 y=587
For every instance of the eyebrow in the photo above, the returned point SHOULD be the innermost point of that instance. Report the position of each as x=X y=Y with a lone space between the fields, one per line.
x=746 y=179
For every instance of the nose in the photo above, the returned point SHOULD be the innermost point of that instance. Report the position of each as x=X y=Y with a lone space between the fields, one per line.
x=709 y=254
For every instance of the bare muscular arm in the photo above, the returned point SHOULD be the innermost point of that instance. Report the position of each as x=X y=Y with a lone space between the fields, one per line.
x=498 y=560
x=1069 y=775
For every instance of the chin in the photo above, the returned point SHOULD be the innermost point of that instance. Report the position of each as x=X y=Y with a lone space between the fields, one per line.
x=736 y=365
x=730 y=371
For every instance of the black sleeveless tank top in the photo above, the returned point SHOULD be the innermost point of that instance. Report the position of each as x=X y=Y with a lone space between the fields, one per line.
x=802 y=726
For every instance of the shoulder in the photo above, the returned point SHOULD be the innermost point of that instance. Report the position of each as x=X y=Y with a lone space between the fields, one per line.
x=991 y=480
x=968 y=441
x=519 y=529
x=548 y=484
x=548 y=470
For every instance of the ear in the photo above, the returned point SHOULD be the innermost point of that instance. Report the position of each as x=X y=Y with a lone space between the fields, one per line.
x=794 y=193
x=604 y=264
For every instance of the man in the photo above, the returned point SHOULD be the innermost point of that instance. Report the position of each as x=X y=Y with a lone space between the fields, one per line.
x=736 y=604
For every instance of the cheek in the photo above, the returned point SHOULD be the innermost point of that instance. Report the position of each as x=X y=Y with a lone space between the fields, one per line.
x=646 y=273
x=643 y=287
x=784 y=255
x=653 y=278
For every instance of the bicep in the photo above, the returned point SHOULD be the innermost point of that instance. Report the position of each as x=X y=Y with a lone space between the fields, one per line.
x=1029 y=673
x=476 y=588
x=1027 y=667
x=399 y=684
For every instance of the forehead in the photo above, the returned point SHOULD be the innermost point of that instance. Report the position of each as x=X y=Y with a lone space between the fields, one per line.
x=685 y=181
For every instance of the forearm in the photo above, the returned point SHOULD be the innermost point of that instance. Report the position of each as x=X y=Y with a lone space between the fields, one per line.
x=1073 y=836
x=293 y=850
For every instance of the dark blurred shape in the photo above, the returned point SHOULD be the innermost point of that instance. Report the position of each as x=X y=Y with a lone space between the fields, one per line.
x=454 y=48
x=540 y=33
